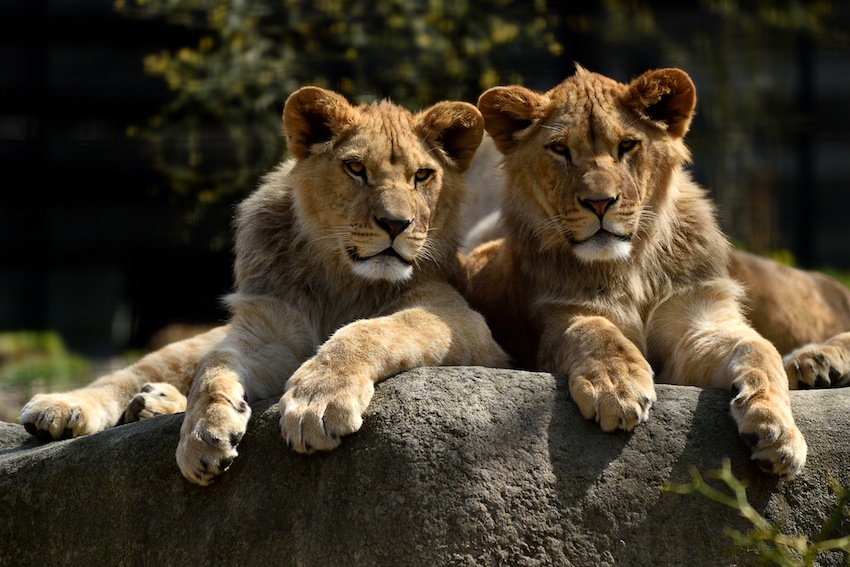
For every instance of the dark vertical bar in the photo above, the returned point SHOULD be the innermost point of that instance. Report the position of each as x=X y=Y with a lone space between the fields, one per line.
x=35 y=241
x=807 y=189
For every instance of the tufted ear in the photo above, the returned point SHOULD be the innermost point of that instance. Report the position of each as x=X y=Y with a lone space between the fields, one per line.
x=455 y=127
x=507 y=111
x=312 y=116
x=666 y=97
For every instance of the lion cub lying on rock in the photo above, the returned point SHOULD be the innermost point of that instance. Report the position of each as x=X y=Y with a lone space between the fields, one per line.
x=346 y=273
x=613 y=269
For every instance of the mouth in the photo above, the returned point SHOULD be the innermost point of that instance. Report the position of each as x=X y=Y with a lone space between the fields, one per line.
x=602 y=235
x=389 y=252
x=386 y=265
x=603 y=246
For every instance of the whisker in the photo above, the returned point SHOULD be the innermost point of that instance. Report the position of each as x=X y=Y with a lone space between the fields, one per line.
x=426 y=254
x=337 y=232
x=544 y=227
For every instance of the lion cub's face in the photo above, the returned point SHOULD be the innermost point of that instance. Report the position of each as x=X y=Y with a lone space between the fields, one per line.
x=374 y=180
x=594 y=156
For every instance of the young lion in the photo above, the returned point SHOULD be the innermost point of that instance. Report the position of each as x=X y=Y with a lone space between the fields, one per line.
x=346 y=258
x=805 y=314
x=613 y=269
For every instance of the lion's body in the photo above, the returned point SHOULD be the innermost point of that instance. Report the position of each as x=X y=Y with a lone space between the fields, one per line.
x=805 y=314
x=613 y=269
x=346 y=273
x=629 y=293
x=789 y=306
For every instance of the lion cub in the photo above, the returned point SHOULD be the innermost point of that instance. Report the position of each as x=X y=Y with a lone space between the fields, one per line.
x=346 y=272
x=613 y=269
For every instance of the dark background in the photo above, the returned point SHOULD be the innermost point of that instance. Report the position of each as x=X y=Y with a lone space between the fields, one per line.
x=95 y=248
x=89 y=248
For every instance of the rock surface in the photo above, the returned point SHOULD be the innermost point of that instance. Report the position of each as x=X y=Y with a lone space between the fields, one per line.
x=453 y=466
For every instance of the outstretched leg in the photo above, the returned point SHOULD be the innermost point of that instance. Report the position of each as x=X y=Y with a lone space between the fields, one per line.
x=102 y=403
x=326 y=397
x=715 y=347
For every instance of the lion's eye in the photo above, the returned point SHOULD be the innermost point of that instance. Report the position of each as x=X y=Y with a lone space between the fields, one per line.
x=356 y=168
x=560 y=149
x=423 y=174
x=625 y=147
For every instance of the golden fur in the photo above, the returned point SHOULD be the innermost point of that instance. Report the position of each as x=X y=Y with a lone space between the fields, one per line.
x=805 y=314
x=346 y=273
x=613 y=269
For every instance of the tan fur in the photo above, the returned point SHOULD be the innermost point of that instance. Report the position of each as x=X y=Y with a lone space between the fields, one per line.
x=346 y=273
x=805 y=314
x=613 y=269
x=107 y=400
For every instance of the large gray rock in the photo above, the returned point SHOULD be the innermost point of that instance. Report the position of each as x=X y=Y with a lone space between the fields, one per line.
x=453 y=466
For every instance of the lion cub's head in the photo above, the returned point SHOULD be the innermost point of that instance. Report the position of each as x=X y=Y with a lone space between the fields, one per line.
x=373 y=183
x=590 y=160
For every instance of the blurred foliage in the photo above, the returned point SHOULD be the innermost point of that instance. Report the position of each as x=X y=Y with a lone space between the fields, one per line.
x=221 y=130
x=748 y=59
x=766 y=539
x=38 y=361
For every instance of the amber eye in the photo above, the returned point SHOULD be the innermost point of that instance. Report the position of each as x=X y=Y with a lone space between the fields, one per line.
x=423 y=174
x=356 y=168
x=625 y=147
x=560 y=149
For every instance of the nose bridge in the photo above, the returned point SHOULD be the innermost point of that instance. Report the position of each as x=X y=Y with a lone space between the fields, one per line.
x=392 y=209
x=597 y=182
x=392 y=203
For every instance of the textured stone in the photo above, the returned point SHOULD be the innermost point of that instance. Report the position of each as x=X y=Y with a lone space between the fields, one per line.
x=453 y=466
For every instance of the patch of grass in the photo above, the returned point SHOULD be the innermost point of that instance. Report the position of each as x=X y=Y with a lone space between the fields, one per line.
x=28 y=358
x=37 y=361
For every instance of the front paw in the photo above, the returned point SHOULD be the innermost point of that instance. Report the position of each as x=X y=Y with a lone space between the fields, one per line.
x=209 y=436
x=818 y=366
x=61 y=416
x=318 y=409
x=766 y=425
x=618 y=394
x=152 y=400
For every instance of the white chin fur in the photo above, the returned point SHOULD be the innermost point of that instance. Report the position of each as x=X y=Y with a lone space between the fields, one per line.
x=603 y=250
x=383 y=268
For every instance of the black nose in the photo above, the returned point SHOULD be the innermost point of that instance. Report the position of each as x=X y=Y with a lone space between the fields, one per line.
x=393 y=227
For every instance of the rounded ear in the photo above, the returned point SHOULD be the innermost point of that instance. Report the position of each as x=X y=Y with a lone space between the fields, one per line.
x=454 y=127
x=312 y=116
x=508 y=110
x=664 y=96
